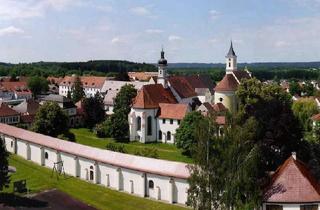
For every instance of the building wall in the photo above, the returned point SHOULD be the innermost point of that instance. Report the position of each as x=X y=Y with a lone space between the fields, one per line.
x=228 y=99
x=165 y=127
x=165 y=188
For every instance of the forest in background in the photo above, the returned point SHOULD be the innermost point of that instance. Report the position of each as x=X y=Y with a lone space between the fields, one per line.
x=262 y=71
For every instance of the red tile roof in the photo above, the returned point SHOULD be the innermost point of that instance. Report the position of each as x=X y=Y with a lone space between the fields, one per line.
x=142 y=164
x=228 y=83
x=240 y=74
x=87 y=81
x=172 y=111
x=149 y=97
x=316 y=117
x=292 y=183
x=182 y=86
x=142 y=76
x=6 y=111
x=19 y=86
x=219 y=107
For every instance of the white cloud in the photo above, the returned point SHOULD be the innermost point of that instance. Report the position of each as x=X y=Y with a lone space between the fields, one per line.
x=10 y=30
x=281 y=44
x=116 y=40
x=214 y=14
x=173 y=38
x=16 y=9
x=154 y=31
x=141 y=11
x=213 y=41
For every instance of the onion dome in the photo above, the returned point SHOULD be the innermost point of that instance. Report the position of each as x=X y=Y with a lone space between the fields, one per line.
x=162 y=60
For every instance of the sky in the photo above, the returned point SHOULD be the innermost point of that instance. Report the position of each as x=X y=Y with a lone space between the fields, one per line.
x=136 y=30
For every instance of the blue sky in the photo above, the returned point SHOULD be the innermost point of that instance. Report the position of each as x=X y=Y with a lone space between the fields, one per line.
x=189 y=30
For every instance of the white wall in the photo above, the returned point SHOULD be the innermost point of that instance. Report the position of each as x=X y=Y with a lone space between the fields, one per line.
x=52 y=157
x=291 y=206
x=22 y=148
x=165 y=127
x=133 y=182
x=36 y=153
x=9 y=144
x=69 y=163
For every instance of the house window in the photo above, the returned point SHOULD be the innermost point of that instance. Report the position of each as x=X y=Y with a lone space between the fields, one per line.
x=160 y=135
x=309 y=207
x=11 y=144
x=171 y=121
x=91 y=173
x=220 y=99
x=179 y=121
x=149 y=131
x=46 y=156
x=168 y=135
x=138 y=123
x=274 y=207
x=163 y=121
x=151 y=184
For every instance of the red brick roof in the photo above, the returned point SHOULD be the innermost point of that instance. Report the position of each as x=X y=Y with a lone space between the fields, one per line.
x=172 y=111
x=182 y=86
x=149 y=97
x=16 y=86
x=228 y=83
x=87 y=81
x=6 y=111
x=292 y=183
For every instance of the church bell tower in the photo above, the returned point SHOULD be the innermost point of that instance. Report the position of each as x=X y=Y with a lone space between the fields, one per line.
x=231 y=60
x=162 y=70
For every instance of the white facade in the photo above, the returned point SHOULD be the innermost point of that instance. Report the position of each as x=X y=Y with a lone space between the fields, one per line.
x=88 y=91
x=167 y=130
x=290 y=206
x=134 y=180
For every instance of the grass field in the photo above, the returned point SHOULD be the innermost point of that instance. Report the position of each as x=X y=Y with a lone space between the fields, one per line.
x=165 y=151
x=39 y=179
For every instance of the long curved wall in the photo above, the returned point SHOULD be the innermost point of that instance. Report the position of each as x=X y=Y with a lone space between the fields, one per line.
x=145 y=177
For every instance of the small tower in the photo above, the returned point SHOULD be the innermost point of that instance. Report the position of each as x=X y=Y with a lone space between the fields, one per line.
x=162 y=70
x=231 y=60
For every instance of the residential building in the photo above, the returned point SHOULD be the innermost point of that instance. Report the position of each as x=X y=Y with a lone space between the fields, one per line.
x=14 y=90
x=27 y=110
x=142 y=76
x=8 y=115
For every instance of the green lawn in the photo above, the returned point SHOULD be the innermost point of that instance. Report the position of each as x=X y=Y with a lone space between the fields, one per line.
x=39 y=179
x=165 y=151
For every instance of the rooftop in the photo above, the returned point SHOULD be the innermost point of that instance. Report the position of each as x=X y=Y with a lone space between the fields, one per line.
x=6 y=111
x=172 y=111
x=228 y=83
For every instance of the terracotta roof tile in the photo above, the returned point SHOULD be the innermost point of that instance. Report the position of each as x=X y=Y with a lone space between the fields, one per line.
x=142 y=76
x=292 y=183
x=5 y=111
x=228 y=83
x=182 y=86
x=219 y=107
x=221 y=120
x=150 y=96
x=87 y=81
x=172 y=111
x=240 y=74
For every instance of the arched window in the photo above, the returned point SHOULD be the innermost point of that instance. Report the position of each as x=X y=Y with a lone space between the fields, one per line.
x=46 y=156
x=138 y=123
x=151 y=184
x=160 y=135
x=168 y=135
x=91 y=173
x=149 y=131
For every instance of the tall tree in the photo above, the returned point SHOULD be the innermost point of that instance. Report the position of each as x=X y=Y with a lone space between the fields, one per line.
x=185 y=134
x=294 y=88
x=4 y=172
x=37 y=85
x=122 y=107
x=93 y=110
x=51 y=120
x=308 y=89
x=303 y=109
x=77 y=90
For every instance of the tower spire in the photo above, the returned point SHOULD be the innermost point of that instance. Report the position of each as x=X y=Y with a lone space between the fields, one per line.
x=231 y=60
x=162 y=70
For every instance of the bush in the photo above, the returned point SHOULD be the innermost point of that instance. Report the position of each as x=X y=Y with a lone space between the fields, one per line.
x=147 y=152
x=103 y=129
x=116 y=147
x=68 y=136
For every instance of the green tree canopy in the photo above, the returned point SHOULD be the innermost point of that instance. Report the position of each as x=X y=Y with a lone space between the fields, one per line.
x=4 y=172
x=304 y=109
x=185 y=134
x=93 y=109
x=51 y=120
x=37 y=85
x=77 y=90
x=308 y=89
x=294 y=88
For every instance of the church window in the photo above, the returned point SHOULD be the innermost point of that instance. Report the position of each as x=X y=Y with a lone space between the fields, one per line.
x=11 y=144
x=149 y=131
x=46 y=156
x=160 y=135
x=138 y=123
x=168 y=135
x=151 y=184
x=229 y=64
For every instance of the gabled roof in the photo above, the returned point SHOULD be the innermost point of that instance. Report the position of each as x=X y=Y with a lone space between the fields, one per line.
x=150 y=96
x=172 y=111
x=219 y=107
x=182 y=86
x=228 y=83
x=87 y=81
x=292 y=183
x=29 y=106
x=6 y=111
x=15 y=86
x=240 y=74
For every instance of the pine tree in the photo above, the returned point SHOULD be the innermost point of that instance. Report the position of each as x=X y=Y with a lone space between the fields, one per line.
x=4 y=176
x=77 y=90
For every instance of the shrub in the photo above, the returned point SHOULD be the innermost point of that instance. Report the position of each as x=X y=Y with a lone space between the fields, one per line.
x=147 y=152
x=116 y=147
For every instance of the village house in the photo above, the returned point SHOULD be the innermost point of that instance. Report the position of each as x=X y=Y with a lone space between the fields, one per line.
x=8 y=115
x=14 y=90
x=27 y=109
x=292 y=187
x=91 y=85
x=143 y=76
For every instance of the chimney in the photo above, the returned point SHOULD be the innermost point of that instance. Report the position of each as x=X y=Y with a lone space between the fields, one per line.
x=294 y=155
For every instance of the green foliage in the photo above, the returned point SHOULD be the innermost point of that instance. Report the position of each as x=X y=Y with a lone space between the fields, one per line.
x=185 y=134
x=4 y=172
x=37 y=85
x=122 y=106
x=51 y=120
x=68 y=136
x=122 y=76
x=147 y=152
x=77 y=90
x=294 y=88
x=304 y=109
x=308 y=89
x=104 y=129
x=93 y=109
x=116 y=147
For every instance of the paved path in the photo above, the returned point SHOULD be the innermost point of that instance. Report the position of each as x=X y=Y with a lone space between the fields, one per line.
x=53 y=200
